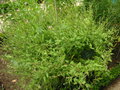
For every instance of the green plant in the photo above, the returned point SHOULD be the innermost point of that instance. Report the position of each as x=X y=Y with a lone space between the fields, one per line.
x=8 y=7
x=1 y=38
x=71 y=52
x=105 y=10
x=106 y=80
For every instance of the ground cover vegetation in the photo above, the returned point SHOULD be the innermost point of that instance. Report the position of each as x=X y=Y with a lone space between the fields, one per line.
x=60 y=45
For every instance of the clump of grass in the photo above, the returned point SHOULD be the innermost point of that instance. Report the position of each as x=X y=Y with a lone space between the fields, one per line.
x=70 y=52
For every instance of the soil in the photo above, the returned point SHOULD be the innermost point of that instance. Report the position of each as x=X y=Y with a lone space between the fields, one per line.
x=7 y=81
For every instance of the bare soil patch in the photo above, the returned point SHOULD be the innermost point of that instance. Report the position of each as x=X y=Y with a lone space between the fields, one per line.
x=7 y=81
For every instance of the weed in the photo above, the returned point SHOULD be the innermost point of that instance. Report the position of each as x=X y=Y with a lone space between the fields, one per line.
x=71 y=52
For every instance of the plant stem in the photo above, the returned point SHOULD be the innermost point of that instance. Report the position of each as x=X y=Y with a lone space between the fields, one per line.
x=55 y=7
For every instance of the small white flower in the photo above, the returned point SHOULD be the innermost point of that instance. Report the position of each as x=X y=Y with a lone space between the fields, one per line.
x=49 y=27
x=78 y=3
x=43 y=6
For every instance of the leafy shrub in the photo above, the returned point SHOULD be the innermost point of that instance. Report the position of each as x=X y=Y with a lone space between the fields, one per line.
x=62 y=51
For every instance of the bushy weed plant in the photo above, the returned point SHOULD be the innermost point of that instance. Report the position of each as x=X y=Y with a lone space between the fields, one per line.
x=58 y=50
